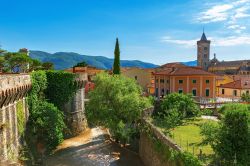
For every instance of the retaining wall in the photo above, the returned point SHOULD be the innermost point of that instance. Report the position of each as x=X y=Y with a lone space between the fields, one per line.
x=147 y=148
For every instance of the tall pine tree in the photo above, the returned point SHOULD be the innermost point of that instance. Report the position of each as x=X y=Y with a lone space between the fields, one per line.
x=116 y=65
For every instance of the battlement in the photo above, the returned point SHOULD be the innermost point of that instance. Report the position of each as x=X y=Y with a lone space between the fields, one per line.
x=13 y=87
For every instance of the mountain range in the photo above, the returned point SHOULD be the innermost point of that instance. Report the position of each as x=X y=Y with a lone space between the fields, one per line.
x=64 y=60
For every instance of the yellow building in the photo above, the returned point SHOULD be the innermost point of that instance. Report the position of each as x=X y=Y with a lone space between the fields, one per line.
x=234 y=89
x=143 y=77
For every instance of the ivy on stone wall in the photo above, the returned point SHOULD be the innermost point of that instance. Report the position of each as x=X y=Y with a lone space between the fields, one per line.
x=46 y=120
x=168 y=154
x=20 y=118
x=61 y=87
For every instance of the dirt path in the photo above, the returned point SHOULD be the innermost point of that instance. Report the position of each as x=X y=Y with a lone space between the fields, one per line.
x=91 y=149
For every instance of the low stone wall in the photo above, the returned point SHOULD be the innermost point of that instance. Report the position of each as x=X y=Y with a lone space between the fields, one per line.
x=147 y=151
x=13 y=89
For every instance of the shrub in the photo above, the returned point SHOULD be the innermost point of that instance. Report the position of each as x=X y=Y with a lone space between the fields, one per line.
x=184 y=104
x=47 y=123
x=207 y=112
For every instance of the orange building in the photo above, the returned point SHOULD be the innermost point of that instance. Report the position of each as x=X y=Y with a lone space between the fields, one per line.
x=171 y=78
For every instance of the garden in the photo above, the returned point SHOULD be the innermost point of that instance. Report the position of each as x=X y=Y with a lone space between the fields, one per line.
x=222 y=140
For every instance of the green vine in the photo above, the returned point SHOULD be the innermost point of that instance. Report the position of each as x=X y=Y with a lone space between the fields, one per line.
x=20 y=118
x=61 y=87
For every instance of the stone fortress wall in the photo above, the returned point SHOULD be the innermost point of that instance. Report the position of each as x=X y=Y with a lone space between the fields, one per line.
x=13 y=89
x=75 y=109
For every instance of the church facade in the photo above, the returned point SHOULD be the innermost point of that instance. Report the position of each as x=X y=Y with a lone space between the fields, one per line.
x=239 y=67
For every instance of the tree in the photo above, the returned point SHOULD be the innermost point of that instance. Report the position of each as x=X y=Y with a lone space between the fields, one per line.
x=35 y=65
x=116 y=66
x=48 y=66
x=245 y=97
x=1 y=63
x=184 y=104
x=81 y=64
x=230 y=138
x=233 y=137
x=116 y=103
x=17 y=62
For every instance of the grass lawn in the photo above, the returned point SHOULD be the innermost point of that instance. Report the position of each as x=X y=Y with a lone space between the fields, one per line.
x=188 y=137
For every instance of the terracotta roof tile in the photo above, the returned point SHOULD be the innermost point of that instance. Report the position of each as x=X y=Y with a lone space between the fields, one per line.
x=238 y=84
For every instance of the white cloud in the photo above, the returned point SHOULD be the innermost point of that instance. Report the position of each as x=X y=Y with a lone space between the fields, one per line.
x=231 y=14
x=222 y=42
x=216 y=13
x=185 y=43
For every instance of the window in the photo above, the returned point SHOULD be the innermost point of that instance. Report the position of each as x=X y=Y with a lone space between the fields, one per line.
x=205 y=55
x=205 y=48
x=235 y=93
x=207 y=81
x=180 y=91
x=194 y=92
x=207 y=93
x=157 y=80
x=167 y=81
x=135 y=77
x=162 y=91
x=161 y=80
x=167 y=91
x=194 y=81
x=180 y=81
x=156 y=92
x=247 y=92
x=223 y=91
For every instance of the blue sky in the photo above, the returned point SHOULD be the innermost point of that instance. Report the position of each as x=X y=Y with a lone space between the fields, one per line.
x=154 y=31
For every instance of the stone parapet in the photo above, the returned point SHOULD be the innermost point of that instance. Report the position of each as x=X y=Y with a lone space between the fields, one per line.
x=13 y=87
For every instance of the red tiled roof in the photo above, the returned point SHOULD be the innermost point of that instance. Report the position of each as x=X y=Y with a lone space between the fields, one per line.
x=238 y=84
x=183 y=71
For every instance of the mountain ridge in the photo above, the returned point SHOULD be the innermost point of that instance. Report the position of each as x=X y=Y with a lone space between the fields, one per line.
x=64 y=60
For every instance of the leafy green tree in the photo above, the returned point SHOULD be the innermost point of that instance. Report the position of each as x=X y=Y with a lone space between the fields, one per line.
x=48 y=66
x=2 y=61
x=230 y=139
x=184 y=104
x=116 y=66
x=17 y=61
x=233 y=137
x=245 y=97
x=116 y=103
x=81 y=64
x=35 y=65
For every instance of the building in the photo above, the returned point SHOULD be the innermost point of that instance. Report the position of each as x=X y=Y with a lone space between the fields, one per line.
x=143 y=77
x=239 y=67
x=235 y=89
x=178 y=78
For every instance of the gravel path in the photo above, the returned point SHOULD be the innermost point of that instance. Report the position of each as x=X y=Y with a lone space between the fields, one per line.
x=91 y=149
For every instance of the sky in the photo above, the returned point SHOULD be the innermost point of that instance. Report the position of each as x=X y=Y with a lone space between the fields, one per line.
x=155 y=31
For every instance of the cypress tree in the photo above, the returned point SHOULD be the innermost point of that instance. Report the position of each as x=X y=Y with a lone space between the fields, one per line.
x=116 y=65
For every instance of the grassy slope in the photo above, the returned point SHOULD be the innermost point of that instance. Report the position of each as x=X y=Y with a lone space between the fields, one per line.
x=188 y=137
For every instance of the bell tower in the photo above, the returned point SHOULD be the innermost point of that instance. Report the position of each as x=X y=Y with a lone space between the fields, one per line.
x=203 y=52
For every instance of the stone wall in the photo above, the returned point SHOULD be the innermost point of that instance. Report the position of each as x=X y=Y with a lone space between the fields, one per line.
x=147 y=148
x=13 y=89
x=75 y=109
